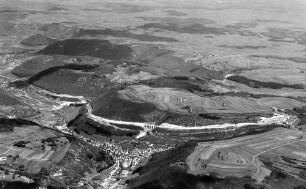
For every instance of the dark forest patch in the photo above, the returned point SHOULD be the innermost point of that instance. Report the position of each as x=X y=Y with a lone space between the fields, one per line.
x=10 y=124
x=302 y=115
x=286 y=35
x=178 y=21
x=7 y=100
x=92 y=47
x=72 y=81
x=49 y=71
x=293 y=59
x=243 y=25
x=255 y=47
x=17 y=185
x=109 y=105
x=175 y=13
x=123 y=34
x=193 y=28
x=39 y=64
x=83 y=124
x=259 y=84
x=125 y=7
x=183 y=83
x=36 y=65
x=37 y=40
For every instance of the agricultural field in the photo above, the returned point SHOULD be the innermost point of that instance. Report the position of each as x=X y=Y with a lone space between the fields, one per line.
x=184 y=102
x=235 y=162
x=246 y=156
x=32 y=147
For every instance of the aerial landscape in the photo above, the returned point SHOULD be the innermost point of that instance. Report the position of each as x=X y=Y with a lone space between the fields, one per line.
x=153 y=94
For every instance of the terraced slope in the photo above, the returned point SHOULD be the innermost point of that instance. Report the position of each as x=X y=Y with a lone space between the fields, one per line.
x=235 y=162
x=246 y=155
x=188 y=103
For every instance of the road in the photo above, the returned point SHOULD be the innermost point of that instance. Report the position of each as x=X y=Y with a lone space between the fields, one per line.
x=275 y=147
x=8 y=150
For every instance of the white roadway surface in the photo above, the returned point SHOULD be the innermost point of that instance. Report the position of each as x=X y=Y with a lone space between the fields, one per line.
x=277 y=118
